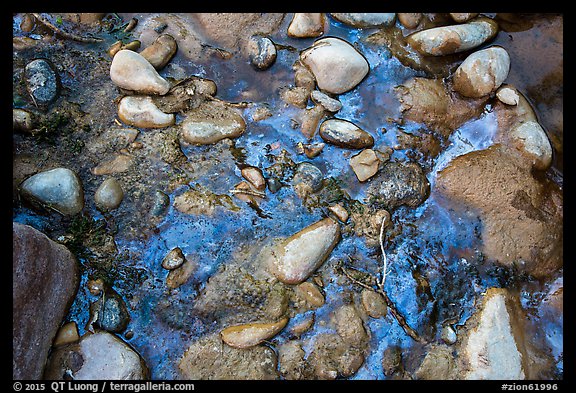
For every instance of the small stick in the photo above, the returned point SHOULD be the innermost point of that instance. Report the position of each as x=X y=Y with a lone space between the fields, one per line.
x=234 y=104
x=395 y=313
x=64 y=34
x=248 y=192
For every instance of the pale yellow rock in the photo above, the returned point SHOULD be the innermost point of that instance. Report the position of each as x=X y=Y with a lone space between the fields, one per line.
x=365 y=164
x=140 y=111
x=251 y=334
x=306 y=25
x=131 y=71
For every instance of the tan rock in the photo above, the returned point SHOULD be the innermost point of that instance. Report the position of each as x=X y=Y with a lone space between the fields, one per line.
x=306 y=25
x=365 y=164
x=140 y=111
x=120 y=163
x=131 y=71
x=180 y=275
x=161 y=51
x=251 y=334
x=310 y=293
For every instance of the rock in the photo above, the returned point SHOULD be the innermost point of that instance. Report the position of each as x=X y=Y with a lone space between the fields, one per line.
x=174 y=259
x=346 y=134
x=95 y=286
x=336 y=65
x=109 y=312
x=161 y=51
x=291 y=359
x=109 y=195
x=210 y=123
x=482 y=72
x=254 y=177
x=207 y=358
x=462 y=17
x=339 y=211
x=365 y=20
x=303 y=77
x=447 y=40
x=349 y=325
x=297 y=96
x=365 y=164
x=400 y=184
x=306 y=25
x=295 y=258
x=428 y=101
x=392 y=361
x=329 y=103
x=261 y=51
x=180 y=276
x=97 y=356
x=448 y=335
x=276 y=303
x=45 y=279
x=310 y=120
x=307 y=179
x=42 y=81
x=201 y=201
x=311 y=150
x=521 y=216
x=302 y=326
x=410 y=20
x=374 y=303
x=67 y=334
x=251 y=334
x=438 y=364
x=160 y=203
x=332 y=356
x=508 y=95
x=23 y=120
x=59 y=189
x=140 y=111
x=518 y=127
x=493 y=345
x=131 y=71
x=310 y=294
x=28 y=23
x=120 y=163
x=367 y=223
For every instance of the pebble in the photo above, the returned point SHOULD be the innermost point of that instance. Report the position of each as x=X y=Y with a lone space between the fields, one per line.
x=210 y=123
x=329 y=103
x=410 y=20
x=463 y=17
x=297 y=96
x=400 y=184
x=530 y=138
x=508 y=95
x=161 y=51
x=262 y=52
x=365 y=164
x=251 y=334
x=254 y=177
x=306 y=25
x=365 y=20
x=140 y=111
x=23 y=120
x=97 y=356
x=59 y=189
x=310 y=120
x=28 y=23
x=451 y=39
x=374 y=303
x=109 y=313
x=336 y=65
x=297 y=257
x=67 y=334
x=180 y=276
x=120 y=163
x=448 y=335
x=109 y=195
x=301 y=327
x=174 y=259
x=160 y=203
x=303 y=77
x=131 y=71
x=42 y=81
x=349 y=325
x=310 y=293
x=311 y=150
x=482 y=72
x=308 y=176
x=340 y=212
x=95 y=287
x=346 y=134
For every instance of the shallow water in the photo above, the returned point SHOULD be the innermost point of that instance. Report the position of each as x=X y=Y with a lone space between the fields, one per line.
x=436 y=244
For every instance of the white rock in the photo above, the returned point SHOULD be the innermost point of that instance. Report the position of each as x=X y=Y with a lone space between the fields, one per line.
x=131 y=71
x=530 y=138
x=106 y=356
x=140 y=111
x=295 y=258
x=490 y=349
x=331 y=104
x=59 y=189
x=365 y=20
x=482 y=72
x=337 y=66
x=451 y=39
x=508 y=95
x=306 y=25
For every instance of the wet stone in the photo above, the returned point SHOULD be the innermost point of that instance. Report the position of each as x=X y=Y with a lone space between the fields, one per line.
x=307 y=178
x=210 y=123
x=310 y=293
x=400 y=184
x=109 y=195
x=160 y=203
x=251 y=334
x=161 y=51
x=23 y=120
x=42 y=81
x=67 y=334
x=131 y=71
x=180 y=275
x=365 y=164
x=463 y=17
x=365 y=20
x=109 y=312
x=141 y=111
x=262 y=52
x=329 y=103
x=410 y=20
x=374 y=303
x=174 y=259
x=482 y=72
x=508 y=95
x=59 y=189
x=306 y=25
x=346 y=134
